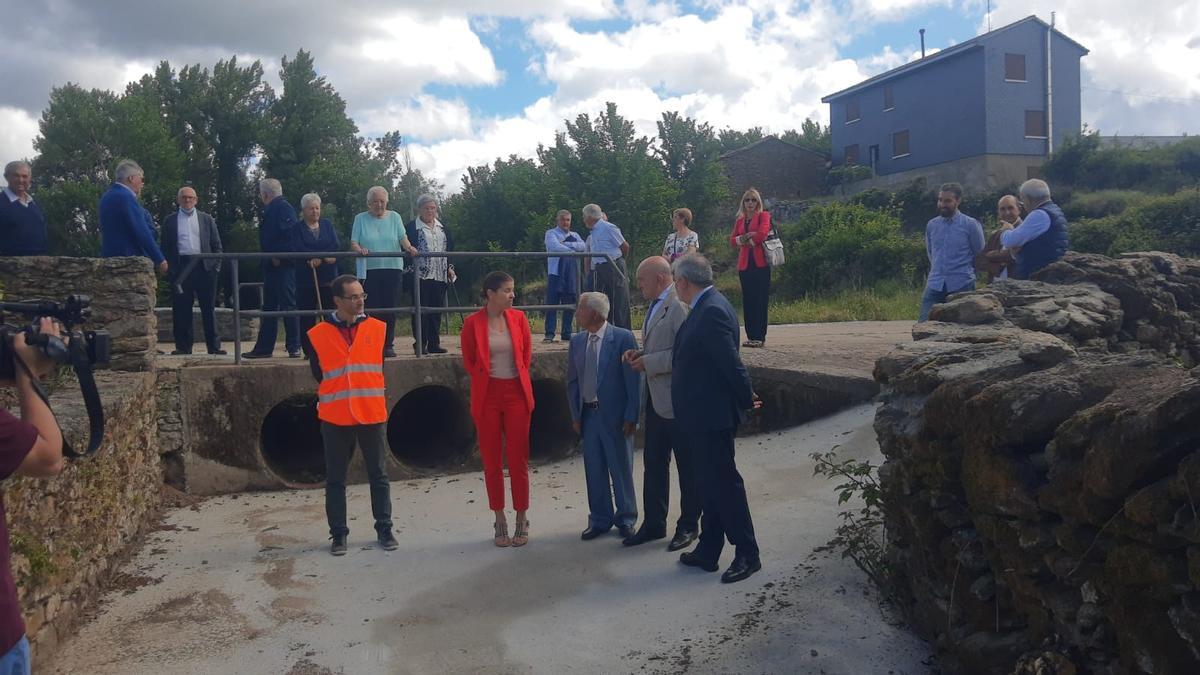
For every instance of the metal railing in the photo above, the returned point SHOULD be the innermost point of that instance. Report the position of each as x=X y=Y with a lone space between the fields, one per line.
x=416 y=309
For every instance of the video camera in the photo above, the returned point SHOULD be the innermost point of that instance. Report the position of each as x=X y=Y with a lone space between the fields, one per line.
x=80 y=349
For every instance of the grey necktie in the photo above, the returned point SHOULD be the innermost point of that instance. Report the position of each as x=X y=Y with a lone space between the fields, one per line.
x=590 y=358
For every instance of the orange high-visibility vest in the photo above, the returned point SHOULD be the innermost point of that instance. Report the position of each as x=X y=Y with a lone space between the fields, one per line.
x=352 y=386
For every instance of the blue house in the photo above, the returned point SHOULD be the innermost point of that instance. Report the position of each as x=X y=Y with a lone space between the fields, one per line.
x=984 y=112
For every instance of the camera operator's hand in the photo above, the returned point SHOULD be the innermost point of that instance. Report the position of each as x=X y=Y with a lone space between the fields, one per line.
x=39 y=364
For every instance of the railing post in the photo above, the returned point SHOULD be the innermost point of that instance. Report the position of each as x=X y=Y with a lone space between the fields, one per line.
x=417 y=308
x=237 y=312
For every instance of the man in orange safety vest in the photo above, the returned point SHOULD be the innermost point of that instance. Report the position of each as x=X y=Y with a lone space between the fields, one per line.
x=347 y=361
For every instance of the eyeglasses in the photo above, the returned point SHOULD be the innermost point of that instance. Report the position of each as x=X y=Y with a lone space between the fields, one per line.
x=750 y=200
x=354 y=298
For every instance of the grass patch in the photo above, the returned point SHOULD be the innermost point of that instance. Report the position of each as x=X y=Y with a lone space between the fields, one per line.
x=885 y=302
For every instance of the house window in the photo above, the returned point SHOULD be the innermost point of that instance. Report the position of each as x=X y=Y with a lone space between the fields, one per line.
x=888 y=101
x=1014 y=67
x=852 y=110
x=852 y=154
x=900 y=144
x=1035 y=124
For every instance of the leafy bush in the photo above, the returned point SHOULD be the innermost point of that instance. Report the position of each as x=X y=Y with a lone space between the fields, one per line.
x=839 y=246
x=1100 y=204
x=1082 y=162
x=848 y=173
x=1165 y=223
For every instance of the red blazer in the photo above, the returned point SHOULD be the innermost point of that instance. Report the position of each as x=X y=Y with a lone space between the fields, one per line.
x=760 y=226
x=477 y=354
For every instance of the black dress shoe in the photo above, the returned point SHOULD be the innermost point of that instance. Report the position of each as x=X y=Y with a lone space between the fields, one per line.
x=181 y=352
x=681 y=540
x=294 y=354
x=624 y=531
x=256 y=355
x=642 y=536
x=217 y=352
x=389 y=353
x=435 y=350
x=593 y=532
x=693 y=559
x=740 y=569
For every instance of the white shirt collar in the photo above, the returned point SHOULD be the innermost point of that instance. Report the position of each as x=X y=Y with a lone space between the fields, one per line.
x=12 y=197
x=600 y=331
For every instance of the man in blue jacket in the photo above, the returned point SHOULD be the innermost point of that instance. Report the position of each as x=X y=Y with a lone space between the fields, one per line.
x=711 y=393
x=22 y=224
x=124 y=230
x=277 y=234
x=604 y=395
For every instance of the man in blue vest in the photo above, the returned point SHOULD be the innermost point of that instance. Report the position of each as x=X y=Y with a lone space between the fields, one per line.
x=22 y=225
x=125 y=229
x=1042 y=236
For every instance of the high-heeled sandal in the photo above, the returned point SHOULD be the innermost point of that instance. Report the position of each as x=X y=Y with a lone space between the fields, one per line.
x=521 y=534
x=502 y=539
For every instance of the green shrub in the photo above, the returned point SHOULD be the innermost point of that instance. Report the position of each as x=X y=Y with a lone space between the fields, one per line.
x=838 y=246
x=1168 y=223
x=1100 y=204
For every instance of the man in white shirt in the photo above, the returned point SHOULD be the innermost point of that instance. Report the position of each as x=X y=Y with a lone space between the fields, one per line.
x=188 y=232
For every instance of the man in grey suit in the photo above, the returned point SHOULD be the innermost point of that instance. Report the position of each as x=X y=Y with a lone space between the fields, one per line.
x=185 y=233
x=603 y=394
x=663 y=319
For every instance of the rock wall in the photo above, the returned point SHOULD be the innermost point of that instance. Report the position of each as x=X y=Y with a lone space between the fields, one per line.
x=224 y=320
x=122 y=290
x=70 y=533
x=1043 y=470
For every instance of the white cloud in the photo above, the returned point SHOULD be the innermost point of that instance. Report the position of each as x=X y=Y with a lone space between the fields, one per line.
x=17 y=130
x=423 y=116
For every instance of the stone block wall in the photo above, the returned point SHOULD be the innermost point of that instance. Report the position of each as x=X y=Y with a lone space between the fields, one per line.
x=1042 y=479
x=122 y=290
x=224 y=320
x=70 y=533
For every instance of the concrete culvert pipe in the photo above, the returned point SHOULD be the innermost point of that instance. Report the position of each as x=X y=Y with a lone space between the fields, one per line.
x=431 y=428
x=550 y=434
x=291 y=441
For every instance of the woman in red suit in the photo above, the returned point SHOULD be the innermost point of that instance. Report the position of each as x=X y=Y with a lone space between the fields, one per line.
x=496 y=350
x=749 y=232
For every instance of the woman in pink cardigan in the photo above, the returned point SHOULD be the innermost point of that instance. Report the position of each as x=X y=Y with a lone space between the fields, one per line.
x=749 y=233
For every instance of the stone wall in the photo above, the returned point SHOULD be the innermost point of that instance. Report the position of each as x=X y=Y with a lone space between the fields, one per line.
x=224 y=320
x=982 y=173
x=122 y=290
x=70 y=533
x=1042 y=479
x=778 y=169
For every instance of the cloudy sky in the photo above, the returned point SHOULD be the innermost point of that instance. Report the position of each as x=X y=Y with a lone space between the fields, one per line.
x=467 y=81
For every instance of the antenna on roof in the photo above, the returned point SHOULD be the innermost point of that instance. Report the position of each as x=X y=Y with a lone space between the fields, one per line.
x=989 y=15
x=922 y=43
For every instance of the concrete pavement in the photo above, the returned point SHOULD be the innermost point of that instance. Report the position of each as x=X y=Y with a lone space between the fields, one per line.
x=244 y=584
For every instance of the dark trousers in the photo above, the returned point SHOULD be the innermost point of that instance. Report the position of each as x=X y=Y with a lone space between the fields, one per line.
x=756 y=291
x=933 y=297
x=610 y=283
x=306 y=298
x=279 y=293
x=557 y=293
x=433 y=294
x=662 y=437
x=339 y=448
x=383 y=290
x=726 y=510
x=200 y=285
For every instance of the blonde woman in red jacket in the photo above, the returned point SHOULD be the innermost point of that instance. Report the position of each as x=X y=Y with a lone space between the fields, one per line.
x=497 y=350
x=749 y=232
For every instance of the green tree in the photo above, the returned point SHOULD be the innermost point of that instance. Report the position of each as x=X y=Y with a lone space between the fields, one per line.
x=732 y=139
x=811 y=136
x=689 y=150
x=604 y=161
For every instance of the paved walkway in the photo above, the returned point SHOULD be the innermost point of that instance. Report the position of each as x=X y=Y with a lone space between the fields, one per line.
x=244 y=584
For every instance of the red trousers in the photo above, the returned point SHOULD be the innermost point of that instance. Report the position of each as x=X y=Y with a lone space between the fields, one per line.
x=503 y=427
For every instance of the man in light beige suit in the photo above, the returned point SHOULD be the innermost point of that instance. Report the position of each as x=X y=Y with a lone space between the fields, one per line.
x=663 y=319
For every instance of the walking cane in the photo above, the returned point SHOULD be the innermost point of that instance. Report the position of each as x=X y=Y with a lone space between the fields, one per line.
x=317 y=290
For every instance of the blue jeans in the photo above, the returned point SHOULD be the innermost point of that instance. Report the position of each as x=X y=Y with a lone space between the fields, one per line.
x=16 y=661
x=608 y=455
x=934 y=297
x=557 y=293
x=279 y=293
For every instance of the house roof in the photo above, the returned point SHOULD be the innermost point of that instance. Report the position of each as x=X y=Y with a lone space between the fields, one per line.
x=946 y=53
x=777 y=139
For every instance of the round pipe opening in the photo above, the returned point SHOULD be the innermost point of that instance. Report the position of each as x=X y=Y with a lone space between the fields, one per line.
x=551 y=434
x=431 y=428
x=291 y=441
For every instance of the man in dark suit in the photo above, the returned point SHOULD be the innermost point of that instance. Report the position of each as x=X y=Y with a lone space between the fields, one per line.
x=603 y=394
x=187 y=232
x=710 y=393
x=124 y=228
x=277 y=234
